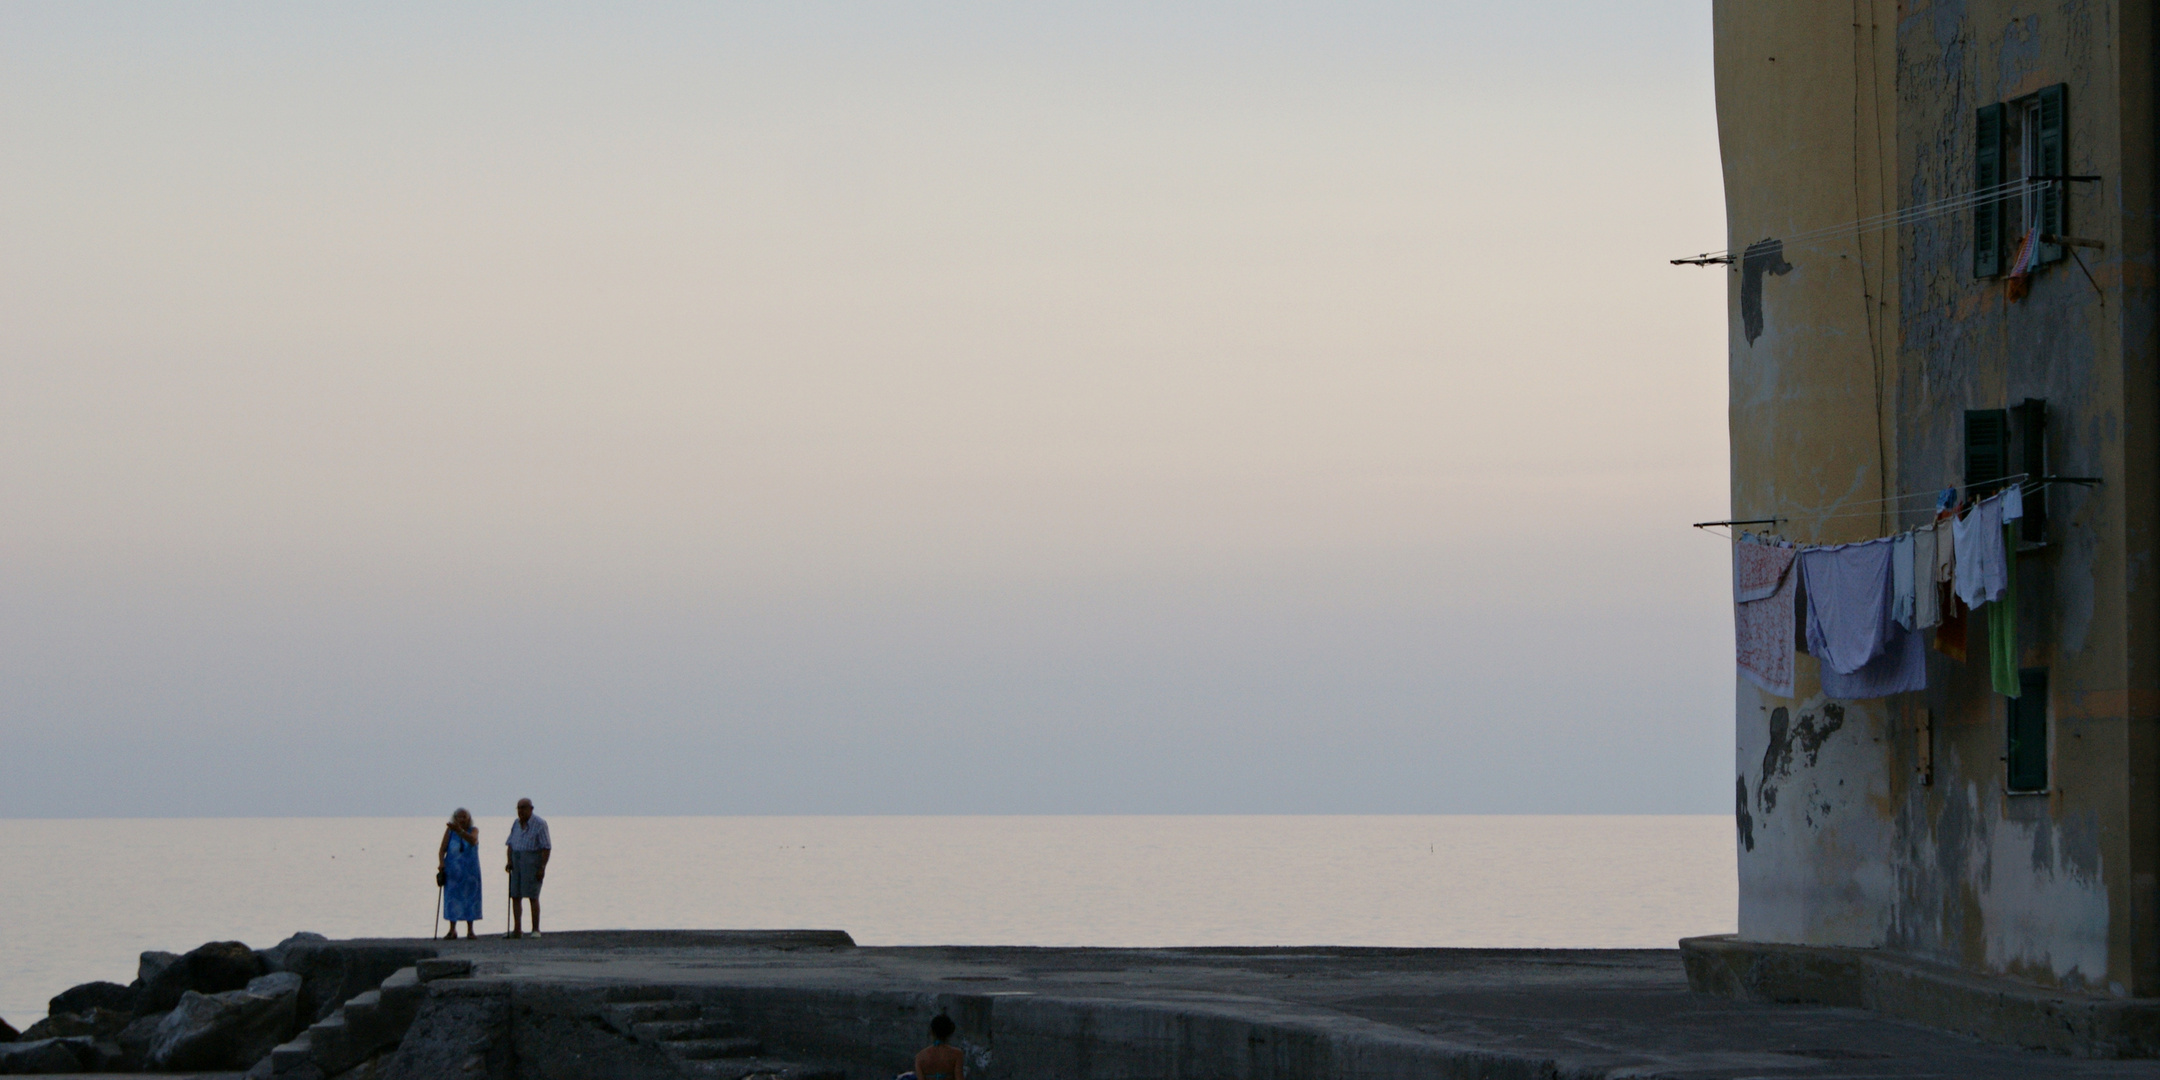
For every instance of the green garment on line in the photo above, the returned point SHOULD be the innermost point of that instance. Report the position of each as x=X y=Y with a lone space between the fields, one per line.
x=2002 y=623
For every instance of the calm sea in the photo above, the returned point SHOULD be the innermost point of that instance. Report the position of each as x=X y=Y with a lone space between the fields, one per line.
x=80 y=899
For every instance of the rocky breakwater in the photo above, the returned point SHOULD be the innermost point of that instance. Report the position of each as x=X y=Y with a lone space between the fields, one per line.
x=222 y=1005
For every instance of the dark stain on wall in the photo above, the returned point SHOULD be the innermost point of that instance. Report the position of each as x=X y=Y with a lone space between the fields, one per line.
x=1741 y=817
x=1760 y=256
x=1786 y=739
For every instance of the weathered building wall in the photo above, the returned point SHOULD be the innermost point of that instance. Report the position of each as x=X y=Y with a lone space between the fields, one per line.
x=1850 y=376
x=2053 y=887
x=1807 y=128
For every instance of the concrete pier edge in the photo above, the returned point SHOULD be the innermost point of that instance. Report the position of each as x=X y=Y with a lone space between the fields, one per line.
x=1992 y=1009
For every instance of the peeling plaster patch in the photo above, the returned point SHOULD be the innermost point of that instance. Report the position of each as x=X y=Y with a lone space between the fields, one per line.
x=2077 y=839
x=2020 y=54
x=1775 y=757
x=1949 y=23
x=1744 y=820
x=1806 y=739
x=2054 y=919
x=1760 y=256
x=1812 y=876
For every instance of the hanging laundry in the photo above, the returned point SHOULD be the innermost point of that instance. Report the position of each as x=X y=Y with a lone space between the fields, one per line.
x=1901 y=580
x=1926 y=611
x=2002 y=629
x=1848 y=599
x=1764 y=584
x=1902 y=667
x=1980 y=560
x=1950 y=628
x=2013 y=500
x=1862 y=650
x=1945 y=547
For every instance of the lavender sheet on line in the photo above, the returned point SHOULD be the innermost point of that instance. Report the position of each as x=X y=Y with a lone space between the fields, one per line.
x=1848 y=603
x=1901 y=667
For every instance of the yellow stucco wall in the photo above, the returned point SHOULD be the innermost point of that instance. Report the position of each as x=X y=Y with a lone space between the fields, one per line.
x=1807 y=129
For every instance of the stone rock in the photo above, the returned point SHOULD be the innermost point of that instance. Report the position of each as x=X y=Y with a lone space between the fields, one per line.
x=465 y=1034
x=30 y=1057
x=334 y=972
x=105 y=1056
x=148 y=967
x=274 y=956
x=7 y=1033
x=229 y=1030
x=94 y=1023
x=214 y=968
x=134 y=1041
x=95 y=995
x=366 y=1070
x=268 y=1067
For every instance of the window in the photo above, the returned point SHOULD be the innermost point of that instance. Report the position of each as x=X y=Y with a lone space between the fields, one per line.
x=2031 y=423
x=2026 y=749
x=1987 y=451
x=2013 y=141
x=2001 y=443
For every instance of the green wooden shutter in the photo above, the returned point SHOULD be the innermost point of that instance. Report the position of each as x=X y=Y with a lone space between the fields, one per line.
x=1987 y=173
x=2032 y=461
x=1987 y=450
x=2026 y=750
x=2050 y=157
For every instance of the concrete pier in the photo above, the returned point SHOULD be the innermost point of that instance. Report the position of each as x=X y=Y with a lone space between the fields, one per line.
x=589 y=1003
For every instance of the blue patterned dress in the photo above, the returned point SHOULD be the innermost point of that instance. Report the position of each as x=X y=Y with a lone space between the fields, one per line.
x=461 y=892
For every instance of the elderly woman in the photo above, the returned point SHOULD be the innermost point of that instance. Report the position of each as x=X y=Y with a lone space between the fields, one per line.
x=459 y=860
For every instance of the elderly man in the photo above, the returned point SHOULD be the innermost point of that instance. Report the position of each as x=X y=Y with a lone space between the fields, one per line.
x=529 y=850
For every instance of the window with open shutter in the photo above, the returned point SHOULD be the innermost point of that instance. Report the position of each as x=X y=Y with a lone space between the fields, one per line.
x=2032 y=461
x=1987 y=450
x=2026 y=749
x=2049 y=159
x=1987 y=175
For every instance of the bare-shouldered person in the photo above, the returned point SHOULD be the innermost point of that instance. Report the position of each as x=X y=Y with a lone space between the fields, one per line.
x=940 y=1060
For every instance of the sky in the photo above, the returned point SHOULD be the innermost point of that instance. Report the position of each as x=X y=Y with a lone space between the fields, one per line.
x=833 y=407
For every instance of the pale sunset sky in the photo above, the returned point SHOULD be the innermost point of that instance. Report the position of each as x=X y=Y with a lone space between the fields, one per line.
x=860 y=408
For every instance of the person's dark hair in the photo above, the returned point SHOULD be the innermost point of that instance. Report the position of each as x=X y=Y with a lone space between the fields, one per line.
x=941 y=1027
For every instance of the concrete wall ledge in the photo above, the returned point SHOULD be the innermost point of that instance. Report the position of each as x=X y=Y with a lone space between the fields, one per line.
x=1991 y=1009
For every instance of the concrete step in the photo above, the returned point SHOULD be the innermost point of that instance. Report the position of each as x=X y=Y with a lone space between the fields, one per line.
x=617 y=995
x=710 y=1049
x=679 y=1030
x=286 y=1057
x=640 y=1012
x=753 y=1068
x=363 y=1006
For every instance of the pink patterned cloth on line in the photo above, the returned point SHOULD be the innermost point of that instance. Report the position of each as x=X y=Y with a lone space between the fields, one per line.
x=1763 y=586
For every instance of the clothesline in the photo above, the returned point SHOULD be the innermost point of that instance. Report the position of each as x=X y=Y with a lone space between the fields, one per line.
x=1818 y=237
x=2026 y=483
x=1865 y=610
x=1816 y=513
x=1891 y=219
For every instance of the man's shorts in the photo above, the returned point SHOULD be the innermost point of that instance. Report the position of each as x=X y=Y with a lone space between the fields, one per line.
x=524 y=875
